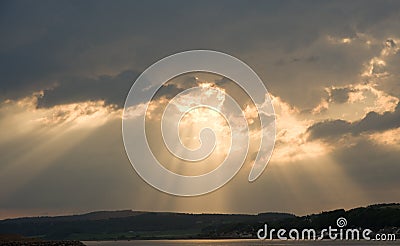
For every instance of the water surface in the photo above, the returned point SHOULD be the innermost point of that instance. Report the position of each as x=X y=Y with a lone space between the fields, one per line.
x=233 y=242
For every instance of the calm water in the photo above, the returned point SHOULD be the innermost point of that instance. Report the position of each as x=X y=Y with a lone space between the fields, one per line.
x=233 y=242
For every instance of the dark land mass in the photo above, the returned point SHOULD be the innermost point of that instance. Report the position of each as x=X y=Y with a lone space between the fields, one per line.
x=17 y=240
x=131 y=225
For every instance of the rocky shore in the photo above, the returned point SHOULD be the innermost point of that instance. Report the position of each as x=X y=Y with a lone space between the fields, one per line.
x=42 y=243
x=17 y=240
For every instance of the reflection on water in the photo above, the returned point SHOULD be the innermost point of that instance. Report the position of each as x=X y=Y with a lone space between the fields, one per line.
x=233 y=242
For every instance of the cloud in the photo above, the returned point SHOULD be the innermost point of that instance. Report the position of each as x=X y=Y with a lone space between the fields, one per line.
x=111 y=89
x=340 y=95
x=372 y=122
x=51 y=43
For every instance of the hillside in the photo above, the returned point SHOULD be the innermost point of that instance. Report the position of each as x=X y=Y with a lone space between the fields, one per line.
x=127 y=224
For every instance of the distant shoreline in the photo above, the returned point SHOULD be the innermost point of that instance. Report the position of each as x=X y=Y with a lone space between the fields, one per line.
x=133 y=225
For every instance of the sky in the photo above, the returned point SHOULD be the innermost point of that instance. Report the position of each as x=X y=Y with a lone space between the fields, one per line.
x=66 y=67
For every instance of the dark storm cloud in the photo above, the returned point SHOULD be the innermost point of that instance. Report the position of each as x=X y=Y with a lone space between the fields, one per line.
x=372 y=122
x=112 y=89
x=49 y=42
x=327 y=129
x=340 y=95
x=44 y=42
x=176 y=85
